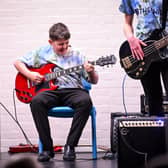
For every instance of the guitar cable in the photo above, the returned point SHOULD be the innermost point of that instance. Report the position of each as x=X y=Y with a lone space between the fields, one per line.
x=15 y=118
x=123 y=94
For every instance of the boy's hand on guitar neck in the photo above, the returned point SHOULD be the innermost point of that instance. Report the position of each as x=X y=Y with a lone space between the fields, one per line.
x=135 y=46
x=89 y=67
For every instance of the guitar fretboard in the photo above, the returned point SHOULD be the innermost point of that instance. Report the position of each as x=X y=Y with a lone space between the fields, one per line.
x=64 y=72
x=161 y=43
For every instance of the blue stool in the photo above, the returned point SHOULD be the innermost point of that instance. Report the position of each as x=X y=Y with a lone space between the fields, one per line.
x=68 y=112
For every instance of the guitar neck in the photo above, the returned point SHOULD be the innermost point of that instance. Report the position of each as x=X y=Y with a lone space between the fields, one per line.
x=161 y=43
x=54 y=75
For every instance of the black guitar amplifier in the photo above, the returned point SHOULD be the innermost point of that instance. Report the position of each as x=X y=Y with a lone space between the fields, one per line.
x=139 y=139
x=144 y=104
x=114 y=127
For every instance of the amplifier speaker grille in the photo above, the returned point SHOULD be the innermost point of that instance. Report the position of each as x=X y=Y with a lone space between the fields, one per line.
x=138 y=139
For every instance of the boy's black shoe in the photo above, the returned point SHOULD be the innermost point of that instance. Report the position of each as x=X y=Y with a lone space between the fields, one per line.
x=45 y=156
x=69 y=153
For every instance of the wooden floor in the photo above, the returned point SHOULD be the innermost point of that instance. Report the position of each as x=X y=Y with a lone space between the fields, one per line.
x=83 y=160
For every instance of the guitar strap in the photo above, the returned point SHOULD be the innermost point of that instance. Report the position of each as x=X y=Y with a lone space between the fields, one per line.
x=164 y=13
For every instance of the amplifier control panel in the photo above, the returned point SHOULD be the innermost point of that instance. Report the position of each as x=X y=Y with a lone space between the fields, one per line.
x=141 y=123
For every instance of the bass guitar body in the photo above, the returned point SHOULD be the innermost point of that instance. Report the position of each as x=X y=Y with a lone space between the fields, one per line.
x=134 y=68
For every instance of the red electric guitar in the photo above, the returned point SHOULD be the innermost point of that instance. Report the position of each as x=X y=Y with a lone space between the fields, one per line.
x=26 y=89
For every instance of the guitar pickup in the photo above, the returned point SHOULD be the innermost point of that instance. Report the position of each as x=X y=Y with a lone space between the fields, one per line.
x=126 y=62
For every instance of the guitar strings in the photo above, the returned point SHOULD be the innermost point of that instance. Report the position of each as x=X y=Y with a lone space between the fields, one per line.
x=148 y=50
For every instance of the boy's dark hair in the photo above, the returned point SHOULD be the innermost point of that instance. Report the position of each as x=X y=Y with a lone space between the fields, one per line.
x=59 y=31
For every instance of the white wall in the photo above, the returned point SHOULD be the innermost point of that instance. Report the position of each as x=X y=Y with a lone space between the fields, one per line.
x=96 y=28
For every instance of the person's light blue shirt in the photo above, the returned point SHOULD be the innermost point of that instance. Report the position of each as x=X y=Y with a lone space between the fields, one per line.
x=148 y=15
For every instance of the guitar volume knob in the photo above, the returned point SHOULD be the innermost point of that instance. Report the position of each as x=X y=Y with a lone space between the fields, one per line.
x=143 y=63
x=140 y=69
x=137 y=74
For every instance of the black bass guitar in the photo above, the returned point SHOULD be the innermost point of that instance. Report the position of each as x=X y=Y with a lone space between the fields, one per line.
x=136 y=69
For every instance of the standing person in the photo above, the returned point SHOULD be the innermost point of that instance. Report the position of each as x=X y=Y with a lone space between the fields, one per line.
x=149 y=20
x=69 y=93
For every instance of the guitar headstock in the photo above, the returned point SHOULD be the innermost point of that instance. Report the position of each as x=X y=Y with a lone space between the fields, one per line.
x=107 y=60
